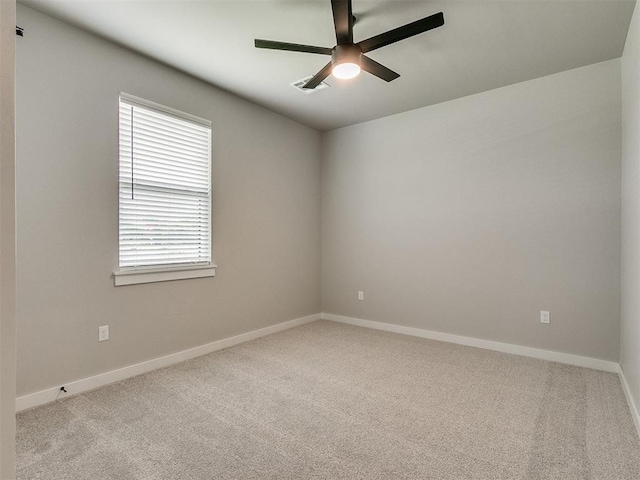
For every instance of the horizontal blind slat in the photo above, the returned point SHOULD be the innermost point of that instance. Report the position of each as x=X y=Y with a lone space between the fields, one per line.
x=166 y=117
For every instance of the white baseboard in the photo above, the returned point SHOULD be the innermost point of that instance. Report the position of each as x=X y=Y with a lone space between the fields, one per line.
x=549 y=355
x=633 y=406
x=85 y=384
x=90 y=383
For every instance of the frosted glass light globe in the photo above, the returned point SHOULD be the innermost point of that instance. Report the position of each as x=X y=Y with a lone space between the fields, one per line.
x=346 y=70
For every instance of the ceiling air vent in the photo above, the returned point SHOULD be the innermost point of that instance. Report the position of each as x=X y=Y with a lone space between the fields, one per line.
x=298 y=84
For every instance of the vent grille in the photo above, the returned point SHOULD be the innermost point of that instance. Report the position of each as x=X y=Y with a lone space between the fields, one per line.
x=298 y=84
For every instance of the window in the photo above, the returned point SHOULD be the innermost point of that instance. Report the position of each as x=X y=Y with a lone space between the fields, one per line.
x=165 y=194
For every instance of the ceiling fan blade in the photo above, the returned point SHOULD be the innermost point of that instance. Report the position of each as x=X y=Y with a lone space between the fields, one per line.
x=293 y=47
x=400 y=33
x=319 y=77
x=380 y=71
x=342 y=20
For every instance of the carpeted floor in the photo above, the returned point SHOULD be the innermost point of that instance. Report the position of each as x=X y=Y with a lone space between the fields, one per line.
x=331 y=401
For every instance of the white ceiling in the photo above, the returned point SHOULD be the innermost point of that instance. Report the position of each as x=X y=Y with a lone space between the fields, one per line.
x=483 y=45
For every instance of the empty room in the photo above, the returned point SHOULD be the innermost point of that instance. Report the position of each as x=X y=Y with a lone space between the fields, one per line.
x=320 y=239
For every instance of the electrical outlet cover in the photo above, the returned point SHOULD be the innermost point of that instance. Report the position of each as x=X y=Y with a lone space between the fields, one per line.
x=103 y=333
x=544 y=317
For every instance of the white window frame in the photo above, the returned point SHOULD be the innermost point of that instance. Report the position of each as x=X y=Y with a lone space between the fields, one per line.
x=150 y=274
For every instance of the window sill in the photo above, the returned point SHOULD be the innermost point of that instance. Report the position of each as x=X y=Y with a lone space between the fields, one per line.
x=136 y=276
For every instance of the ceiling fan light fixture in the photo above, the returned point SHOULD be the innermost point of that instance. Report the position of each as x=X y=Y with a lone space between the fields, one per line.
x=345 y=61
x=345 y=71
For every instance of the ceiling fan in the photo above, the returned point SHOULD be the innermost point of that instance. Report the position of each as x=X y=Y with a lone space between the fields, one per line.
x=347 y=58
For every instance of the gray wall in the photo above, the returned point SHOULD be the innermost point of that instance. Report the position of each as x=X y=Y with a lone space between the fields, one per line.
x=266 y=207
x=7 y=241
x=630 y=336
x=471 y=216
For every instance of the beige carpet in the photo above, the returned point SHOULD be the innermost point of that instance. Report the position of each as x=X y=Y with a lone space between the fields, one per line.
x=330 y=401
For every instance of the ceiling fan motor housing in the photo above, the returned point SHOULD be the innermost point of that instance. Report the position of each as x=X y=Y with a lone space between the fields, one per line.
x=347 y=53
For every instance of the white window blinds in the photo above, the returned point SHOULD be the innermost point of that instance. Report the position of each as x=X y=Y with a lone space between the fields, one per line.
x=165 y=186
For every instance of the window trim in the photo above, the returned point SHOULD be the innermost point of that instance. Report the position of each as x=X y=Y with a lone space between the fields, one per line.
x=136 y=275
x=161 y=273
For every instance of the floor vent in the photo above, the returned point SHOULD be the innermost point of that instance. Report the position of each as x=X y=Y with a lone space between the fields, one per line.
x=298 y=84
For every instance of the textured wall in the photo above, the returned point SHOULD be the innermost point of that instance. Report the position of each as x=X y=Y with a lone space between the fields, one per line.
x=7 y=241
x=630 y=336
x=266 y=207
x=471 y=216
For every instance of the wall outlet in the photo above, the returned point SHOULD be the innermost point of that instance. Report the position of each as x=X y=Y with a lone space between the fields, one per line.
x=544 y=317
x=360 y=295
x=103 y=333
